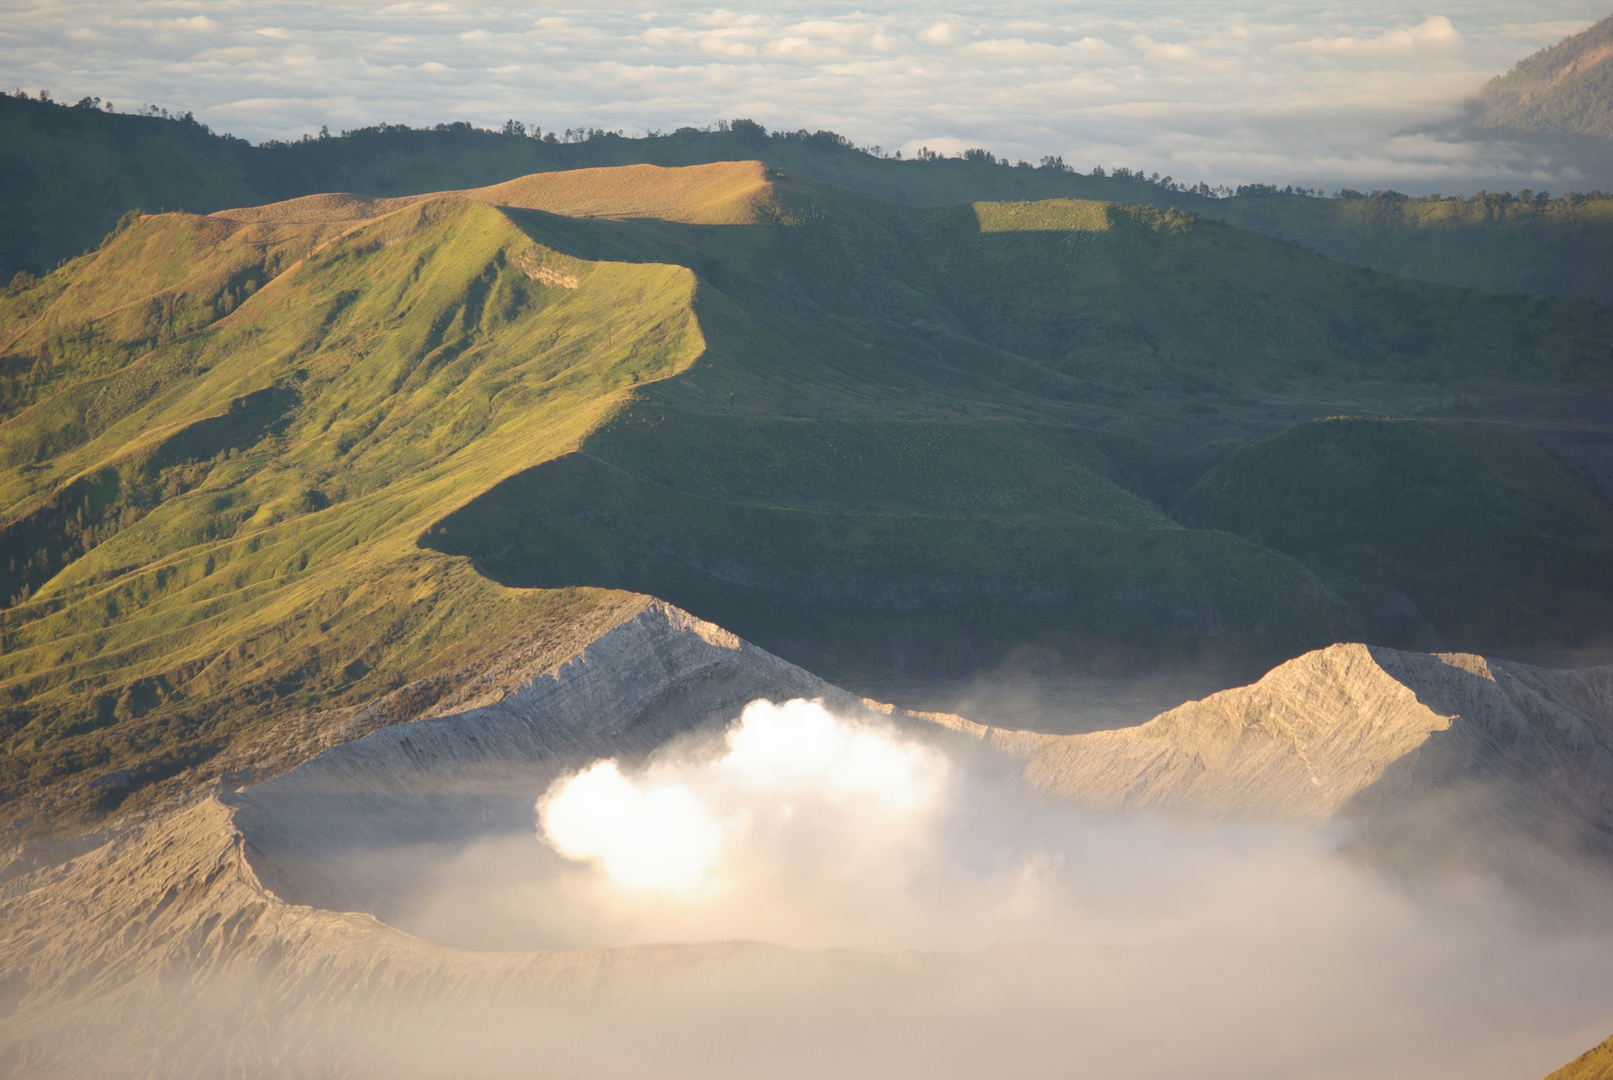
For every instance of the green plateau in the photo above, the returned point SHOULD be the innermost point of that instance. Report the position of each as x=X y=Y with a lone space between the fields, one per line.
x=260 y=467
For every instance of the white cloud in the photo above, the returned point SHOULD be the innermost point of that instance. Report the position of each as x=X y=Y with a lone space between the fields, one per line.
x=1229 y=93
x=1432 y=34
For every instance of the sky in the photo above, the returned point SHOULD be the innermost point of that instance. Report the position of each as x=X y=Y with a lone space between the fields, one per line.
x=1231 y=92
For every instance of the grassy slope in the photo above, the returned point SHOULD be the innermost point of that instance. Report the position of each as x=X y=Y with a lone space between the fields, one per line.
x=1222 y=306
x=1131 y=301
x=215 y=500
x=416 y=361
x=1594 y=1064
x=906 y=533
x=1494 y=541
x=67 y=174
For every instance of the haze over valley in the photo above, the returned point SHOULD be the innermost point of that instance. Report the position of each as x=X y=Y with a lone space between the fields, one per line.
x=732 y=600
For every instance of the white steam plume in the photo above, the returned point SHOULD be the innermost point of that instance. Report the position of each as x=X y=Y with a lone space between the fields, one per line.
x=809 y=829
x=791 y=774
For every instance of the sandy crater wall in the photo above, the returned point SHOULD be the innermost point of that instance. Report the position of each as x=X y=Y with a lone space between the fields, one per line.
x=1447 y=760
x=220 y=941
x=479 y=770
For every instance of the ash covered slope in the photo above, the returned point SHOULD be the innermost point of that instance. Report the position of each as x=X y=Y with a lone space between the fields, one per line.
x=206 y=942
x=1436 y=758
x=165 y=956
x=185 y=947
x=486 y=752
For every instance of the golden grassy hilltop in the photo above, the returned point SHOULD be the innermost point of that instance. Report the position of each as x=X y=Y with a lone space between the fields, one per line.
x=722 y=193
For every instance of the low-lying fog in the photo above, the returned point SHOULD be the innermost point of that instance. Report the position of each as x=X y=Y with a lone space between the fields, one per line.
x=1057 y=704
x=1093 y=943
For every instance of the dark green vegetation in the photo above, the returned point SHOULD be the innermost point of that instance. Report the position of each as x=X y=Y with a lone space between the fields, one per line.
x=1566 y=89
x=303 y=456
x=67 y=173
x=1500 y=242
x=847 y=545
x=1443 y=536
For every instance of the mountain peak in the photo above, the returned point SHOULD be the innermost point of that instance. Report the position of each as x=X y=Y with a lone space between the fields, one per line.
x=1566 y=89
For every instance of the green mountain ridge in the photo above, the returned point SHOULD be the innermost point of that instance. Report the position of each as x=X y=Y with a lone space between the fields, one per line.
x=1566 y=89
x=67 y=173
x=263 y=465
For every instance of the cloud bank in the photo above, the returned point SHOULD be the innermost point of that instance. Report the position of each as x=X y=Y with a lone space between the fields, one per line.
x=1223 y=93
